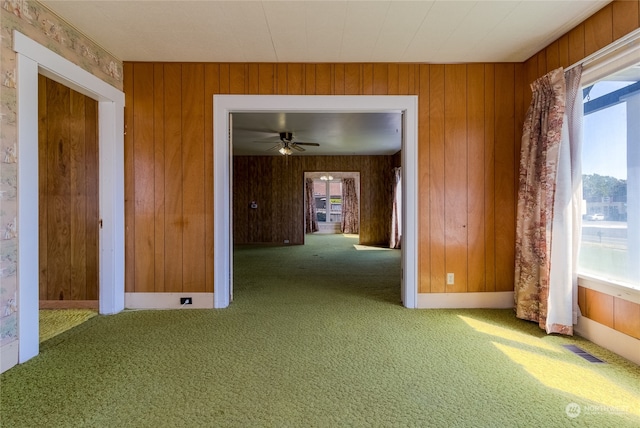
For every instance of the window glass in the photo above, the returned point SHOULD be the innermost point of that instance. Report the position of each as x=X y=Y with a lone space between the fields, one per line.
x=328 y=200
x=610 y=247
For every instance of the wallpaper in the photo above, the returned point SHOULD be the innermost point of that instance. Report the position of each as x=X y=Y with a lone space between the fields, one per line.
x=40 y=24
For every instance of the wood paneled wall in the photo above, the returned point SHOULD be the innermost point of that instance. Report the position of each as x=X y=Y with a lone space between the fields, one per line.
x=276 y=184
x=469 y=136
x=610 y=23
x=470 y=117
x=614 y=312
x=68 y=193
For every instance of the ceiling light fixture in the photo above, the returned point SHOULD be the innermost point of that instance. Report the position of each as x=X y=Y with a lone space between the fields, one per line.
x=285 y=150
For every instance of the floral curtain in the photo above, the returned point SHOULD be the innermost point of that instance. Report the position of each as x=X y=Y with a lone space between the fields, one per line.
x=310 y=218
x=544 y=228
x=541 y=138
x=350 y=222
x=396 y=210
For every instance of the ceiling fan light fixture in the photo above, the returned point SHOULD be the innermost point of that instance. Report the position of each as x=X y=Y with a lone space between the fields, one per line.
x=285 y=150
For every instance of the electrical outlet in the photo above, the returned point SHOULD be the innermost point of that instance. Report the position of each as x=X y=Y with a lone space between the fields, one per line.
x=286 y=241
x=186 y=301
x=450 y=279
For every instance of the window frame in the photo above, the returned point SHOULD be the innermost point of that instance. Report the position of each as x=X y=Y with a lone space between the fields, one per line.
x=328 y=197
x=615 y=57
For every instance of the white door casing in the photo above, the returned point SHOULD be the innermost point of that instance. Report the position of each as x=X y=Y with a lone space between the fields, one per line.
x=34 y=59
x=224 y=105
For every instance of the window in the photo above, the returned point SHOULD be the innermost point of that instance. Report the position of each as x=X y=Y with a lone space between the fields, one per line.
x=327 y=193
x=610 y=247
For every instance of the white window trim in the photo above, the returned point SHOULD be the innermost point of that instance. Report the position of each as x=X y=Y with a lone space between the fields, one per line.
x=618 y=55
x=610 y=287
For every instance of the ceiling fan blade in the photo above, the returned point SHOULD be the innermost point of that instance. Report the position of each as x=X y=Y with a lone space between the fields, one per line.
x=277 y=146
x=307 y=144
x=258 y=130
x=298 y=148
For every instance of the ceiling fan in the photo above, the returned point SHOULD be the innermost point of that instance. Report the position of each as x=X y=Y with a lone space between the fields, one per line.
x=287 y=145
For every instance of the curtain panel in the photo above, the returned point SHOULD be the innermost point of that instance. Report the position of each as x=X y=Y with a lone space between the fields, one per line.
x=541 y=137
x=310 y=218
x=396 y=210
x=350 y=210
x=562 y=311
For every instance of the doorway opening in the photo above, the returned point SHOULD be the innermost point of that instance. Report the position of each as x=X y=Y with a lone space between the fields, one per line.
x=68 y=197
x=327 y=208
x=225 y=105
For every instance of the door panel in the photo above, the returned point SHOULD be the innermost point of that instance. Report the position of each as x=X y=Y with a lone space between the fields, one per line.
x=68 y=193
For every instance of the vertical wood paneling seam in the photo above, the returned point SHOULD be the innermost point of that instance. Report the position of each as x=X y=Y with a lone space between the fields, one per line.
x=444 y=167
x=182 y=170
x=429 y=226
x=204 y=157
x=153 y=133
x=133 y=176
x=304 y=79
x=466 y=178
x=332 y=80
x=164 y=177
x=484 y=175
x=430 y=189
x=274 y=80
x=495 y=247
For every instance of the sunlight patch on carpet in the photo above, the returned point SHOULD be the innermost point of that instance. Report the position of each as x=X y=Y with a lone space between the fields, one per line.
x=56 y=321
x=369 y=248
x=573 y=378
x=508 y=334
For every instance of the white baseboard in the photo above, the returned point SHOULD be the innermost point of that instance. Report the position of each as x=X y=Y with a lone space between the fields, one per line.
x=489 y=300
x=8 y=356
x=626 y=346
x=167 y=300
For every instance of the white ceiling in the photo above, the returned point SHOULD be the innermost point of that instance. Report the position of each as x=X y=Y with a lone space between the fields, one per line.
x=440 y=31
x=337 y=133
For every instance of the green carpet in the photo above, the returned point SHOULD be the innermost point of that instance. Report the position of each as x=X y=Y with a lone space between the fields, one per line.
x=53 y=322
x=316 y=337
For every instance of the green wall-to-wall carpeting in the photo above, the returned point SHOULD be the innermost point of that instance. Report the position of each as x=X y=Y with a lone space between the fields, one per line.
x=316 y=336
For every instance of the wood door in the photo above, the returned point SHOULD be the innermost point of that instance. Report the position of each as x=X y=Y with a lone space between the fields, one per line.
x=68 y=196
